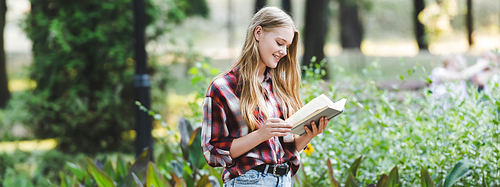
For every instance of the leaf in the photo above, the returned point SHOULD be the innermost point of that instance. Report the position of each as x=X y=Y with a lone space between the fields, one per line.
x=193 y=71
x=334 y=182
x=460 y=170
x=195 y=151
x=302 y=177
x=203 y=181
x=425 y=178
x=321 y=178
x=188 y=179
x=185 y=130
x=354 y=167
x=64 y=181
x=313 y=59
x=180 y=183
x=177 y=167
x=214 y=181
x=393 y=178
x=214 y=71
x=484 y=181
x=108 y=168
x=351 y=181
x=121 y=168
x=138 y=168
x=382 y=182
x=77 y=171
x=153 y=177
x=136 y=180
x=216 y=175
x=101 y=178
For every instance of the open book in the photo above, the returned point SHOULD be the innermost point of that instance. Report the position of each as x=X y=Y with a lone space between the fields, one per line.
x=313 y=111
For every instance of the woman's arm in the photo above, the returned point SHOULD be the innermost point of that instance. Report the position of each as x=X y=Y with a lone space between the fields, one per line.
x=302 y=141
x=466 y=73
x=272 y=127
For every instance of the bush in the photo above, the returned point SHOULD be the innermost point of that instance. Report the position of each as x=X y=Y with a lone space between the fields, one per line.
x=84 y=70
x=408 y=129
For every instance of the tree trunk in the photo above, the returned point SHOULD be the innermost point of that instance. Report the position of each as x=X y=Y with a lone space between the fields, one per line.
x=259 y=4
x=287 y=6
x=418 y=6
x=351 y=30
x=316 y=26
x=469 y=22
x=4 y=89
x=230 y=25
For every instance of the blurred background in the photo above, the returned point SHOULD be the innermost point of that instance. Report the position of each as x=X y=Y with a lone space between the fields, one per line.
x=70 y=64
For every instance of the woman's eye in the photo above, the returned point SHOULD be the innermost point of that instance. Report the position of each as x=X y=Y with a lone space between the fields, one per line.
x=279 y=44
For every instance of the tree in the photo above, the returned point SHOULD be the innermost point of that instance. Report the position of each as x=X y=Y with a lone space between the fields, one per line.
x=418 y=6
x=351 y=29
x=469 y=22
x=259 y=4
x=287 y=6
x=84 y=69
x=316 y=26
x=4 y=89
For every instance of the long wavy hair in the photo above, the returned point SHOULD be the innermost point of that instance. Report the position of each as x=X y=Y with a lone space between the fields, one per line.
x=285 y=77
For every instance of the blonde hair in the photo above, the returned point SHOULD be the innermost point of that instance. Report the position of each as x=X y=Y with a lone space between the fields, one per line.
x=285 y=77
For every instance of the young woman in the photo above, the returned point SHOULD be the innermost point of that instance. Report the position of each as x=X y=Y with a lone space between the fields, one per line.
x=244 y=109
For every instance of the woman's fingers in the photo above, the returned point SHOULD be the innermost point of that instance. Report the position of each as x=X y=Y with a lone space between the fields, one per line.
x=322 y=124
x=281 y=130
x=308 y=131
x=279 y=134
x=326 y=123
x=314 y=127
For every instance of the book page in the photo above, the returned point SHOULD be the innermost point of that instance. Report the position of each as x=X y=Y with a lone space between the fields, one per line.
x=311 y=107
x=313 y=111
x=339 y=105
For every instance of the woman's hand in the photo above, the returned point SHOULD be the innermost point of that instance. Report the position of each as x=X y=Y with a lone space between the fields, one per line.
x=316 y=129
x=274 y=127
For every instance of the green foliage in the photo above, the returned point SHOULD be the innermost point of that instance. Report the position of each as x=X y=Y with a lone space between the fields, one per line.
x=201 y=76
x=32 y=168
x=405 y=128
x=459 y=171
x=388 y=127
x=6 y=161
x=11 y=178
x=189 y=165
x=84 y=70
x=187 y=172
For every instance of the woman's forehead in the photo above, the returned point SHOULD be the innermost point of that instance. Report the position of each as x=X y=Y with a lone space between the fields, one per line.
x=284 y=33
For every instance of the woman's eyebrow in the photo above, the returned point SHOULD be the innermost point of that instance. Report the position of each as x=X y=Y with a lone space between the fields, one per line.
x=283 y=40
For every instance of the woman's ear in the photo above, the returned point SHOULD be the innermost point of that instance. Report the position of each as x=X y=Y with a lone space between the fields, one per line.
x=257 y=33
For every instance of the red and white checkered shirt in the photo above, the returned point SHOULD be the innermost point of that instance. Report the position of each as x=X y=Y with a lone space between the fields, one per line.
x=223 y=122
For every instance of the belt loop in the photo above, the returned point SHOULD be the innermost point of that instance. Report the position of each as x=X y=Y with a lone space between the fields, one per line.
x=267 y=167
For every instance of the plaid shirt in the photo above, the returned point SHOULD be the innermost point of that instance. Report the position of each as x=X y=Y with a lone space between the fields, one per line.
x=223 y=122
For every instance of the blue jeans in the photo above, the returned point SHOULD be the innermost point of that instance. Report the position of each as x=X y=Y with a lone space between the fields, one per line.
x=254 y=178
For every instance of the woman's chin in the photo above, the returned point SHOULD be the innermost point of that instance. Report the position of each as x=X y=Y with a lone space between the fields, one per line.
x=272 y=65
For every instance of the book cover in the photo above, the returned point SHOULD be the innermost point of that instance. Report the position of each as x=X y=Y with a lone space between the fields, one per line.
x=313 y=111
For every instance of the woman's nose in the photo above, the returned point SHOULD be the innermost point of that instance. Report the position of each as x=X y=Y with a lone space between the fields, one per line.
x=283 y=52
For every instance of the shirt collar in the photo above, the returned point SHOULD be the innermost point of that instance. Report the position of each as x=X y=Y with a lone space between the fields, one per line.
x=268 y=76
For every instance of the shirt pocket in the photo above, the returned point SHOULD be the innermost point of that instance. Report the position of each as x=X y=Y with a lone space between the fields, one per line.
x=250 y=177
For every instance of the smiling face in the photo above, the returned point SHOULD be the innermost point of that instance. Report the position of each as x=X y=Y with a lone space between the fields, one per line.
x=273 y=44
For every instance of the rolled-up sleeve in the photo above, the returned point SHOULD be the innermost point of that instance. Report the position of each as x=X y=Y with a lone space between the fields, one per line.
x=215 y=140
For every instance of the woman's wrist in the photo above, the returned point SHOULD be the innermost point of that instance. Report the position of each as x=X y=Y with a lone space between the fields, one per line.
x=302 y=141
x=260 y=136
